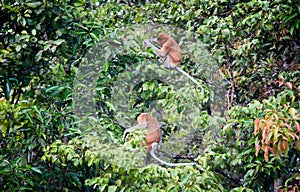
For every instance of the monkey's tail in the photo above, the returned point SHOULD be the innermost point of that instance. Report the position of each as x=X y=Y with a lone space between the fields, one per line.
x=154 y=147
x=187 y=75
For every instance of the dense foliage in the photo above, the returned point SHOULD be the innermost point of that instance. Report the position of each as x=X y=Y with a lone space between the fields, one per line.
x=242 y=126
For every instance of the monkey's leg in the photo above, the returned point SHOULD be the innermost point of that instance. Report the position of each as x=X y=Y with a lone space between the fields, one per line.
x=167 y=63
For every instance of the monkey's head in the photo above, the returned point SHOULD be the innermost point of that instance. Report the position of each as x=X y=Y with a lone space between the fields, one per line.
x=143 y=118
x=162 y=38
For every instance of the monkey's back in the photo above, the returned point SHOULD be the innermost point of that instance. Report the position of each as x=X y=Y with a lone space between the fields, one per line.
x=174 y=50
x=153 y=133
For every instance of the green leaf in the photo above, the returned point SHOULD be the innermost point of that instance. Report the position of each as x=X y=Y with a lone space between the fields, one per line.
x=37 y=170
x=75 y=178
x=112 y=188
x=102 y=188
x=291 y=17
x=292 y=30
x=33 y=32
x=79 y=32
x=106 y=65
x=46 y=47
x=7 y=91
x=18 y=48
x=38 y=56
x=38 y=115
x=25 y=188
x=34 y=4
x=23 y=21
x=94 y=36
x=58 y=42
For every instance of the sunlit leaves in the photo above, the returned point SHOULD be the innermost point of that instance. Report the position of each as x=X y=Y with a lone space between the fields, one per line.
x=277 y=130
x=266 y=135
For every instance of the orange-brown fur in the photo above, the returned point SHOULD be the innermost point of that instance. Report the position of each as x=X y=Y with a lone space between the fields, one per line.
x=153 y=132
x=170 y=49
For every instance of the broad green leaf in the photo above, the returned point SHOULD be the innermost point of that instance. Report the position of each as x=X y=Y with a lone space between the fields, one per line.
x=106 y=66
x=34 y=4
x=37 y=170
x=38 y=56
x=112 y=188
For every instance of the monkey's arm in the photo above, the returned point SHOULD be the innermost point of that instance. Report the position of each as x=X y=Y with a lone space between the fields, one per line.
x=159 y=52
x=154 y=148
x=149 y=43
x=132 y=129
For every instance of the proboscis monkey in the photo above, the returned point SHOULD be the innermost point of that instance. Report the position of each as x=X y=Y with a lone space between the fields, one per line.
x=170 y=53
x=153 y=136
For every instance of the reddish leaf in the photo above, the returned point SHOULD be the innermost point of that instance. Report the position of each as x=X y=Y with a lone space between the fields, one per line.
x=266 y=154
x=297 y=126
x=280 y=81
x=292 y=111
x=274 y=150
x=284 y=145
x=289 y=85
x=271 y=150
x=297 y=144
x=256 y=126
x=257 y=148
x=265 y=133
